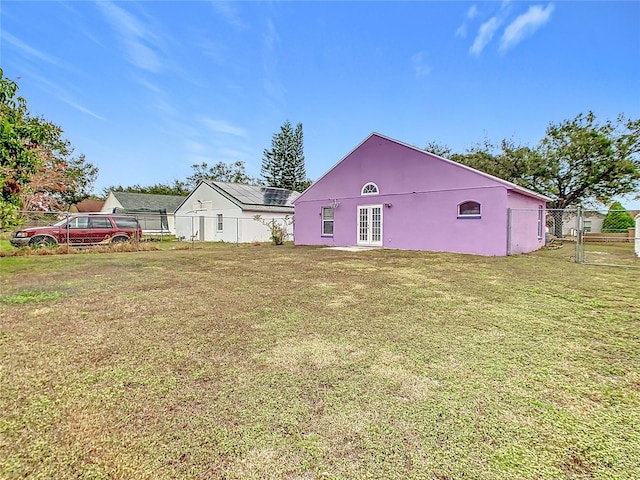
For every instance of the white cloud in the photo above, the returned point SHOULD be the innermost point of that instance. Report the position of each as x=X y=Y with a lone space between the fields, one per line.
x=525 y=25
x=30 y=51
x=472 y=12
x=271 y=81
x=485 y=34
x=420 y=68
x=134 y=35
x=222 y=126
x=82 y=108
x=229 y=13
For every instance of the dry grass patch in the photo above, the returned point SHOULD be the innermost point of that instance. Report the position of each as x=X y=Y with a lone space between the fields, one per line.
x=226 y=361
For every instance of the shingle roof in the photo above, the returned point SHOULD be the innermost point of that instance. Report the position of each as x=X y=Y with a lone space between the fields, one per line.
x=254 y=197
x=148 y=201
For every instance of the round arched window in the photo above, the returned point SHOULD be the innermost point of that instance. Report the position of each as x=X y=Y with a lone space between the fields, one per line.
x=370 y=189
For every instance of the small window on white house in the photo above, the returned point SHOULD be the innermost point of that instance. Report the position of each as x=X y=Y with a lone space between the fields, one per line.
x=469 y=210
x=587 y=226
x=219 y=223
x=370 y=189
x=327 y=221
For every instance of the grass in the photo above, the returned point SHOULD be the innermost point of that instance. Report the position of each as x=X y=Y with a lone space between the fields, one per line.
x=237 y=362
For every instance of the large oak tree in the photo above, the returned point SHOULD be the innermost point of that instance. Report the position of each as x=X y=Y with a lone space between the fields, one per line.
x=579 y=162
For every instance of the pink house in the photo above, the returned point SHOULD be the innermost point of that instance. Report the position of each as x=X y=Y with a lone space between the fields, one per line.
x=389 y=194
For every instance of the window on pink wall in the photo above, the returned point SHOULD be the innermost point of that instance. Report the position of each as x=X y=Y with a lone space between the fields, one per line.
x=469 y=209
x=370 y=189
x=540 y=222
x=327 y=222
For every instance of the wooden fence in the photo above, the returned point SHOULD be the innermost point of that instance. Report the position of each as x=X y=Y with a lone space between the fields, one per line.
x=623 y=237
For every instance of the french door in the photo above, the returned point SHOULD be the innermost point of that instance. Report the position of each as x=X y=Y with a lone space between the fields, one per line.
x=370 y=225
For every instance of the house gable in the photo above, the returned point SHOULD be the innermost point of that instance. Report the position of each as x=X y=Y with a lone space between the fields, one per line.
x=207 y=197
x=250 y=198
x=397 y=168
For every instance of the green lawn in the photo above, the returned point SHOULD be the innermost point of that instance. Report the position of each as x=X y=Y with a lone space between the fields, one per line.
x=264 y=362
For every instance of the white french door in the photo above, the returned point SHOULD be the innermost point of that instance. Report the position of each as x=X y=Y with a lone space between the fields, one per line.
x=370 y=225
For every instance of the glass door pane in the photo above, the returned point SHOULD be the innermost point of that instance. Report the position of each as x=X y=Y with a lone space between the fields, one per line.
x=376 y=225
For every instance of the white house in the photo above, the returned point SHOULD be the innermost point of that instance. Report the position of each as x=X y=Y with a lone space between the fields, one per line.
x=220 y=211
x=154 y=212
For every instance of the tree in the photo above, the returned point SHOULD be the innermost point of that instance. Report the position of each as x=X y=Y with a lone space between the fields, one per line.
x=579 y=162
x=178 y=188
x=283 y=165
x=518 y=164
x=37 y=169
x=588 y=162
x=617 y=219
x=221 y=172
x=439 y=149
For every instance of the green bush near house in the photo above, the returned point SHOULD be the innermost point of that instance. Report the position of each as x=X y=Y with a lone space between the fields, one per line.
x=617 y=220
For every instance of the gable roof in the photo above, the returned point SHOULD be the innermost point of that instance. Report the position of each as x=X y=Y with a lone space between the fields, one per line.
x=508 y=185
x=148 y=201
x=255 y=197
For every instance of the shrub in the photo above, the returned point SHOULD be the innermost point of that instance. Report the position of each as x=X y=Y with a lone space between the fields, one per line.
x=617 y=219
x=277 y=227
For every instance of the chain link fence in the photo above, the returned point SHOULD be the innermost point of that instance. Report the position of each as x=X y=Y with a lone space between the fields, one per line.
x=216 y=227
x=590 y=236
x=197 y=227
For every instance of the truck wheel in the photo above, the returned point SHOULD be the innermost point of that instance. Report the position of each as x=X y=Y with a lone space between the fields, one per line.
x=42 y=241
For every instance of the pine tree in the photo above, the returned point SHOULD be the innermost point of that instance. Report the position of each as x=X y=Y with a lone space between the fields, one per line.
x=283 y=165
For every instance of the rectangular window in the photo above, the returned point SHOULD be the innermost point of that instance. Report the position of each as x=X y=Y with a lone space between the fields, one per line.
x=327 y=222
x=127 y=222
x=219 y=223
x=100 y=222
x=587 y=226
x=79 y=222
x=540 y=223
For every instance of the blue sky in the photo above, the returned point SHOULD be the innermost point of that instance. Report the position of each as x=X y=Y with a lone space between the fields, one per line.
x=146 y=89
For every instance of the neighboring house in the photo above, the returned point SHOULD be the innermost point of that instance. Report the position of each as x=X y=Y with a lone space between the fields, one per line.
x=389 y=194
x=220 y=211
x=155 y=212
x=591 y=221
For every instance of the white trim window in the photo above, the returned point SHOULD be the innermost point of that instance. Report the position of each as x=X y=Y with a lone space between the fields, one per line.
x=219 y=222
x=327 y=221
x=540 y=222
x=469 y=209
x=587 y=226
x=370 y=189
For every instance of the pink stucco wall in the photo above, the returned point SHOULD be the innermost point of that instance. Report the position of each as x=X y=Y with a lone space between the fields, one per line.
x=525 y=234
x=420 y=194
